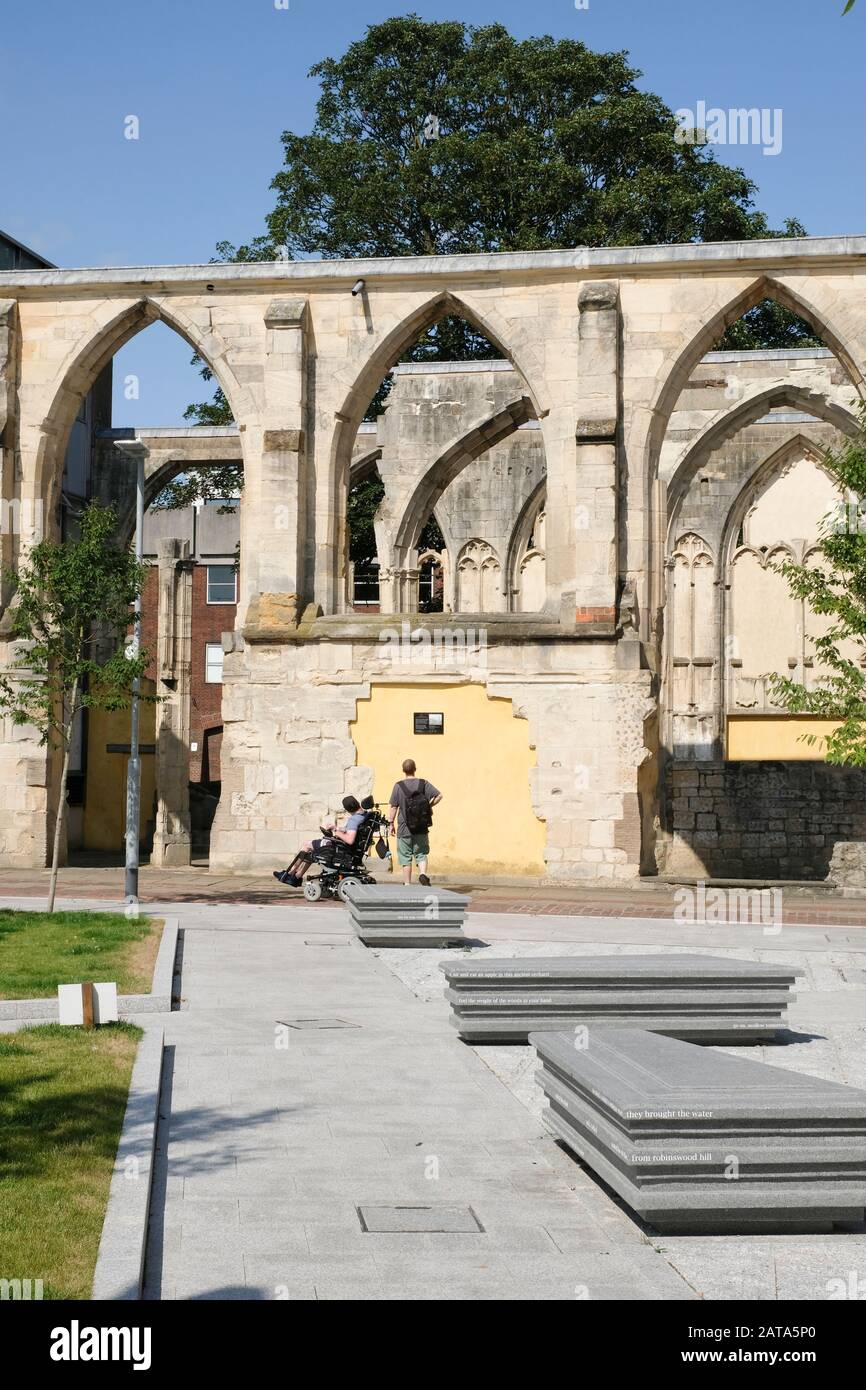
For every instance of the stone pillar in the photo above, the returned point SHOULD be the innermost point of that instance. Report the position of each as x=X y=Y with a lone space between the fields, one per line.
x=26 y=767
x=274 y=510
x=8 y=308
x=398 y=590
x=598 y=417
x=172 y=837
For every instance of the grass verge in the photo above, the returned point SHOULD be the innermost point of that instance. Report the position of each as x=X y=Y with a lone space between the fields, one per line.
x=62 y=1100
x=39 y=951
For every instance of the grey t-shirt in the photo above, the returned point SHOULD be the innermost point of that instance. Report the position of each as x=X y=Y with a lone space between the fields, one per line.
x=399 y=796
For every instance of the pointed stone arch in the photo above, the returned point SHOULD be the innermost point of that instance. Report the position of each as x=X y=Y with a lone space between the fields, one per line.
x=110 y=329
x=775 y=462
x=729 y=422
x=517 y=545
x=674 y=374
x=747 y=568
x=478 y=579
x=485 y=434
x=381 y=359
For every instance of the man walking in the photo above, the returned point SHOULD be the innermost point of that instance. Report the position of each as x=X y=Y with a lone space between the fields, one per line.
x=412 y=802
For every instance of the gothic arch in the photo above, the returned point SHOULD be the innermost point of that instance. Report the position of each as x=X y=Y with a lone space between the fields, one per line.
x=478 y=578
x=674 y=375
x=375 y=368
x=520 y=535
x=483 y=435
x=774 y=462
x=727 y=423
x=88 y=358
x=689 y=695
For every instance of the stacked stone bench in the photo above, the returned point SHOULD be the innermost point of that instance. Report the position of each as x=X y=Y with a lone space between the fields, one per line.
x=401 y=915
x=698 y=1140
x=697 y=998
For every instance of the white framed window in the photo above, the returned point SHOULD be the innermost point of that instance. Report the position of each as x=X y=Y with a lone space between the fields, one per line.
x=222 y=584
x=213 y=663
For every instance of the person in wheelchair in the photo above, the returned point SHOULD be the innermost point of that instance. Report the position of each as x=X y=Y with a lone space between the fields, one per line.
x=334 y=846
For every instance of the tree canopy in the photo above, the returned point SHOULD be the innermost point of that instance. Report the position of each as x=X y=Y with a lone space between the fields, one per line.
x=441 y=137
x=432 y=138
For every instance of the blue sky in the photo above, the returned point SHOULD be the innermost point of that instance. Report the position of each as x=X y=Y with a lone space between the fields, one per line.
x=214 y=84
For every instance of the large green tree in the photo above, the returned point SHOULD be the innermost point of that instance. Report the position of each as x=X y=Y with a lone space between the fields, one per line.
x=539 y=143
x=431 y=138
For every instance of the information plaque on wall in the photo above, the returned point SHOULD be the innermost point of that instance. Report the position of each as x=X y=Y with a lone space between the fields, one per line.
x=429 y=723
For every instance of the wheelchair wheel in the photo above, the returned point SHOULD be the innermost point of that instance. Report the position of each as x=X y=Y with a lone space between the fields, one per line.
x=312 y=889
x=344 y=884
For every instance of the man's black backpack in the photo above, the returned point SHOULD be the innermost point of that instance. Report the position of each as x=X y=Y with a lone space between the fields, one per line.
x=418 y=813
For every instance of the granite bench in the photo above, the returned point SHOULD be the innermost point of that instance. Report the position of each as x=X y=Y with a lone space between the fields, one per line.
x=697 y=1140
x=693 y=997
x=407 y=915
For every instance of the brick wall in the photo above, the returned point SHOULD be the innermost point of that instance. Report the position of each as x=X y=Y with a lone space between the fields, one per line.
x=209 y=622
x=791 y=820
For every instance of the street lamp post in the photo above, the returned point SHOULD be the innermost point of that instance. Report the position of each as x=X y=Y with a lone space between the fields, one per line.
x=135 y=450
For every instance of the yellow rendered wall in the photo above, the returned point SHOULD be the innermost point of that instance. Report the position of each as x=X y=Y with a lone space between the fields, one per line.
x=779 y=738
x=105 y=793
x=485 y=824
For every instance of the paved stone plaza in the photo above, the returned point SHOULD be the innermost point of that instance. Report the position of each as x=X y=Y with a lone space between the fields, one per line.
x=266 y=1153
x=272 y=1138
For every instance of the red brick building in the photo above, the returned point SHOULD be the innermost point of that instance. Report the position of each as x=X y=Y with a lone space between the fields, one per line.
x=212 y=534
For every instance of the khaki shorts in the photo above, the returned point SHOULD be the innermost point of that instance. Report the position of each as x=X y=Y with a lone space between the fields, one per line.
x=417 y=846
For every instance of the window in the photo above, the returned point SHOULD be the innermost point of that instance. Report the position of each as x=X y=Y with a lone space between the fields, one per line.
x=366 y=592
x=213 y=663
x=221 y=584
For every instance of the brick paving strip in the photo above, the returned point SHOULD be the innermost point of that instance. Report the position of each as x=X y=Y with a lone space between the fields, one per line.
x=647 y=899
x=272 y=1138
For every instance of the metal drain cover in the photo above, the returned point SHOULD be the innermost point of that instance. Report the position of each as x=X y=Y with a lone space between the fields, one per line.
x=317 y=1023
x=419 y=1220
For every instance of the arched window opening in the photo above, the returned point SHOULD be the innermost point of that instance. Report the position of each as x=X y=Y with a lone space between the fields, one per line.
x=191 y=542
x=364 y=500
x=753 y=416
x=453 y=429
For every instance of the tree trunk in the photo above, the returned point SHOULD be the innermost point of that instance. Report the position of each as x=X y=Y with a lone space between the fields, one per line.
x=61 y=806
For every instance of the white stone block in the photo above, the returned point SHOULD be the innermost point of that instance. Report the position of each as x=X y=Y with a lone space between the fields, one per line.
x=70 y=1003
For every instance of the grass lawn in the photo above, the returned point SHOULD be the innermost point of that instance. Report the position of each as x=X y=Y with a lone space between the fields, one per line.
x=38 y=951
x=62 y=1101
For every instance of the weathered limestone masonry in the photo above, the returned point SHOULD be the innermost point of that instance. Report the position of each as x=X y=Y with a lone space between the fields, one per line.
x=461 y=435
x=586 y=727
x=602 y=344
